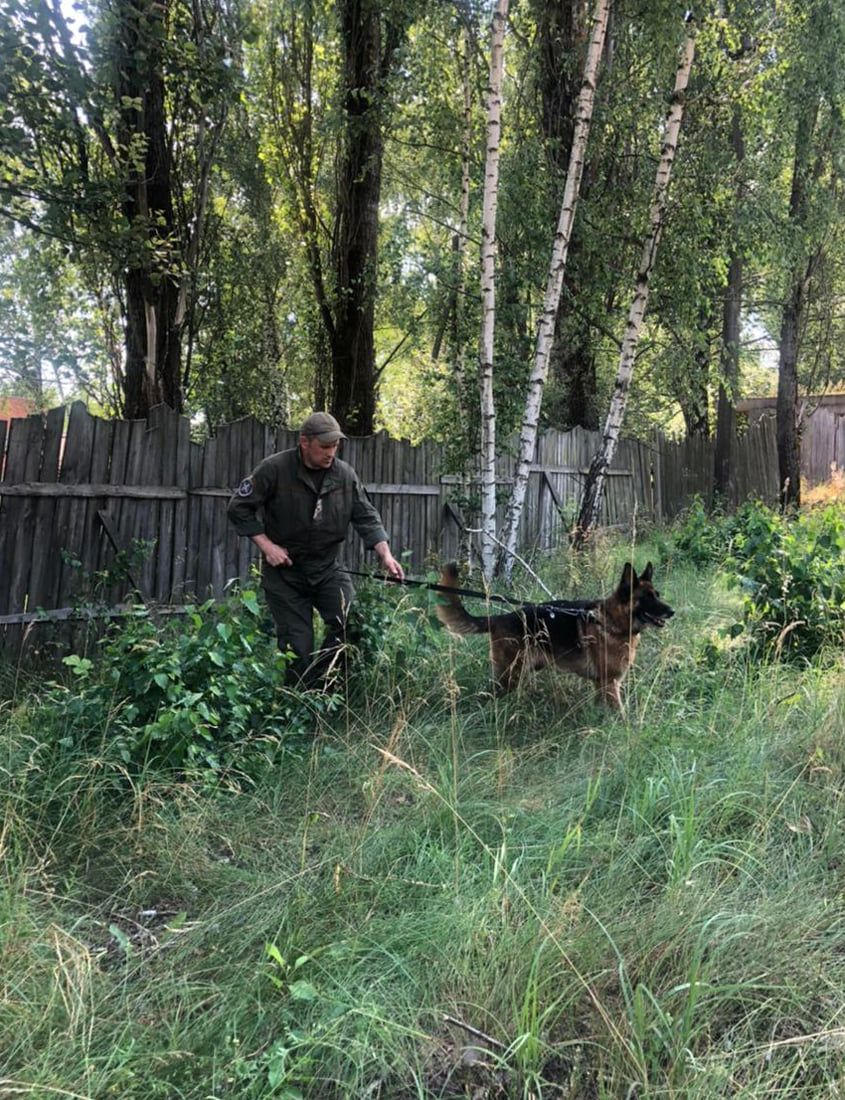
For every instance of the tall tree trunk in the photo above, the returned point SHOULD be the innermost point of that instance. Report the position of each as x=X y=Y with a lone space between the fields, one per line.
x=572 y=364
x=554 y=282
x=789 y=454
x=367 y=55
x=488 y=291
x=563 y=26
x=153 y=342
x=593 y=495
x=723 y=480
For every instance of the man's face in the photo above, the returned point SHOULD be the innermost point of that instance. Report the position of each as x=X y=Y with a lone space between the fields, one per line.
x=317 y=455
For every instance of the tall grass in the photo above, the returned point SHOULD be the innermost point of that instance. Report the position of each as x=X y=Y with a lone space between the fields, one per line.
x=444 y=894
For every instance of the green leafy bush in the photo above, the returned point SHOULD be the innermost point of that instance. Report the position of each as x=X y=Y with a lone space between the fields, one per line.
x=707 y=538
x=380 y=610
x=200 y=692
x=370 y=617
x=791 y=570
x=700 y=535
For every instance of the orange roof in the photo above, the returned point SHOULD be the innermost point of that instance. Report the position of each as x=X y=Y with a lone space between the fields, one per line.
x=11 y=407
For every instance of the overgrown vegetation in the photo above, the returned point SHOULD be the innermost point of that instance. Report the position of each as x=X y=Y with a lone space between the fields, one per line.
x=425 y=892
x=195 y=694
x=790 y=569
x=199 y=694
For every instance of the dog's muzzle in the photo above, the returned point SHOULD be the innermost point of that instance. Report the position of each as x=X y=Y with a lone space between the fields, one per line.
x=657 y=620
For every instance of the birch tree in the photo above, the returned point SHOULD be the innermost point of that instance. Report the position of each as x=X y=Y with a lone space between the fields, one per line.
x=591 y=500
x=463 y=234
x=488 y=291
x=554 y=283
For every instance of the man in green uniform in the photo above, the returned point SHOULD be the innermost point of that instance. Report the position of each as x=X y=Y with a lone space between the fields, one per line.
x=297 y=506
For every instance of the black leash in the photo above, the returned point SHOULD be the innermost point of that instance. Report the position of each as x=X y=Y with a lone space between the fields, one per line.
x=559 y=606
x=437 y=588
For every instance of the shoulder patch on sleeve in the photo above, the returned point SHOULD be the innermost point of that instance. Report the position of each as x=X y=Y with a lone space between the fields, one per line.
x=245 y=488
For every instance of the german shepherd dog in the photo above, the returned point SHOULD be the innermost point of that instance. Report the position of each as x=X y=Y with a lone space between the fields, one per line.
x=596 y=639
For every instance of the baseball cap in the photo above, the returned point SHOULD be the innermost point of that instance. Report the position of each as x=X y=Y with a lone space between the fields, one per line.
x=322 y=426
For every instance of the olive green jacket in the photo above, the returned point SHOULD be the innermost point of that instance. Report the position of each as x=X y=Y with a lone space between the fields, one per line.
x=278 y=500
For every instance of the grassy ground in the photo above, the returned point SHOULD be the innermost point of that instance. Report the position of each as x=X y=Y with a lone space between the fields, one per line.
x=437 y=894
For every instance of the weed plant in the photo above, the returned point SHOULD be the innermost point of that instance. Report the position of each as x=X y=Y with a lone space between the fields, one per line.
x=790 y=570
x=428 y=892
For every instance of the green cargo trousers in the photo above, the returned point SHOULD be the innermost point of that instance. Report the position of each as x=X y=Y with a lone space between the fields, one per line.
x=292 y=597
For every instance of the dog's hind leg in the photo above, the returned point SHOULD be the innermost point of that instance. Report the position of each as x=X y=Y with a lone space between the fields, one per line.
x=508 y=658
x=609 y=691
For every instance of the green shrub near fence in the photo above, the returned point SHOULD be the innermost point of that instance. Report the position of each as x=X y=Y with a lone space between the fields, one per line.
x=198 y=693
x=789 y=568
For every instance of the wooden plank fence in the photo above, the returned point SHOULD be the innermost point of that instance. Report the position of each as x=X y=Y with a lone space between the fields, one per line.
x=75 y=490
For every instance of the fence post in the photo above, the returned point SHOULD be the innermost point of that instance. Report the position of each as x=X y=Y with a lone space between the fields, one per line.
x=657 y=478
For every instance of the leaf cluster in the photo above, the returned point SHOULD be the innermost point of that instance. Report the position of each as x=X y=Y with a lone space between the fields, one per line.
x=200 y=695
x=790 y=570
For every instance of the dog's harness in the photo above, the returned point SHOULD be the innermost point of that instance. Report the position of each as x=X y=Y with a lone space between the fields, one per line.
x=585 y=613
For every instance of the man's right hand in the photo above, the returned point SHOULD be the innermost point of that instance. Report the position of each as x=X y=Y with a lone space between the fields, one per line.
x=274 y=555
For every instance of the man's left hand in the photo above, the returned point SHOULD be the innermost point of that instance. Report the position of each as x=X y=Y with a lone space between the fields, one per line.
x=390 y=565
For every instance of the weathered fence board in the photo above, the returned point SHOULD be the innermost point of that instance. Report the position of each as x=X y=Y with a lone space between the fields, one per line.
x=25 y=449
x=206 y=550
x=192 y=539
x=42 y=589
x=838 y=457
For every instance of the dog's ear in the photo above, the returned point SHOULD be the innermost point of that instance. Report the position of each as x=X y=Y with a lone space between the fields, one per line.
x=647 y=574
x=627 y=582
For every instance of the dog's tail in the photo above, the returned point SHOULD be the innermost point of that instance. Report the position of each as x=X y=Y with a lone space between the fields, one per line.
x=453 y=614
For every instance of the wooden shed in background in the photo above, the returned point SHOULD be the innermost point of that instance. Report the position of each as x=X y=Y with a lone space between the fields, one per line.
x=822 y=432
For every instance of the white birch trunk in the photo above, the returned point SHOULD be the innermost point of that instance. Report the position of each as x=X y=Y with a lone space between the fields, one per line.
x=488 y=292
x=554 y=283
x=463 y=234
x=591 y=500
x=459 y=349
